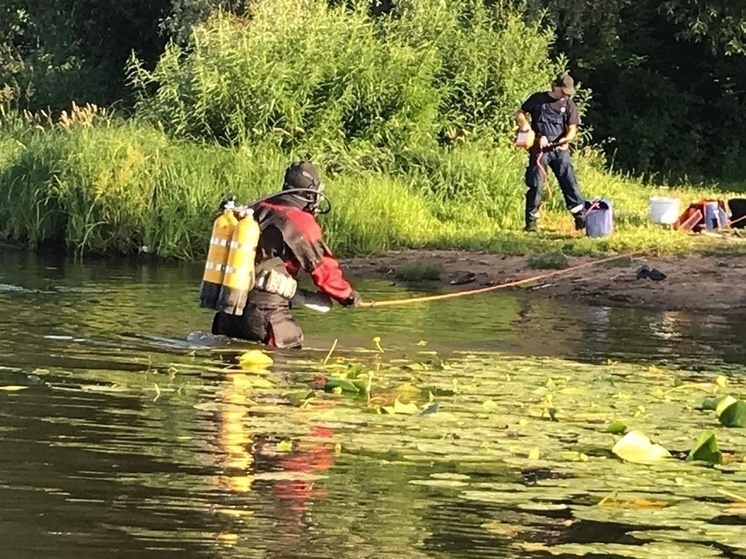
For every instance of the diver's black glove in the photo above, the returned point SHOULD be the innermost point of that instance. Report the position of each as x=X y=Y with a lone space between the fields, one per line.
x=353 y=300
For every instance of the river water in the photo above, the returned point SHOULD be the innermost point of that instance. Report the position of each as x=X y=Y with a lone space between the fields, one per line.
x=125 y=432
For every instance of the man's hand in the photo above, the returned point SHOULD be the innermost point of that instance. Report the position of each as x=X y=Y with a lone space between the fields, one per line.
x=353 y=300
x=522 y=121
x=543 y=142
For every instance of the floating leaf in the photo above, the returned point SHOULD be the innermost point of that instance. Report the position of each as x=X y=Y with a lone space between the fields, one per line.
x=298 y=397
x=255 y=358
x=408 y=409
x=616 y=428
x=344 y=385
x=236 y=513
x=710 y=403
x=534 y=453
x=636 y=447
x=723 y=403
x=489 y=405
x=431 y=409
x=706 y=449
x=721 y=381
x=13 y=388
x=734 y=415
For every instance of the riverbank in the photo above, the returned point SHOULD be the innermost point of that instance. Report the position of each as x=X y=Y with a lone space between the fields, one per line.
x=697 y=283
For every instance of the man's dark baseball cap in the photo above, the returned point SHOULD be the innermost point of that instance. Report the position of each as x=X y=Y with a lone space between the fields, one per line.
x=566 y=83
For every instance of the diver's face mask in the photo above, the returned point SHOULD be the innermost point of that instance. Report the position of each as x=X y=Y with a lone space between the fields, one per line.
x=316 y=201
x=320 y=204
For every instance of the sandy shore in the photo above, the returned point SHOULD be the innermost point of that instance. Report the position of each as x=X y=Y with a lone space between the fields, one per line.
x=696 y=283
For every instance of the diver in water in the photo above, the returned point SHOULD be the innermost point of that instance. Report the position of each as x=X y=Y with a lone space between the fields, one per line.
x=290 y=240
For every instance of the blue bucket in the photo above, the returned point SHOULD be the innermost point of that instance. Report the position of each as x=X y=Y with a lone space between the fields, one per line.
x=599 y=218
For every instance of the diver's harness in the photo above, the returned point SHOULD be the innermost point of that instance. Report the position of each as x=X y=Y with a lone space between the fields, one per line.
x=230 y=275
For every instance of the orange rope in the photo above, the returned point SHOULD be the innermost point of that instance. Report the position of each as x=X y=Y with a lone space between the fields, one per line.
x=397 y=302
x=545 y=175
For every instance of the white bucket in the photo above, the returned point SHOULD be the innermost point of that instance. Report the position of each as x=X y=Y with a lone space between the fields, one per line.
x=664 y=210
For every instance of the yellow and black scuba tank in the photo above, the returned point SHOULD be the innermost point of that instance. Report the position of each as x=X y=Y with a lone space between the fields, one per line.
x=240 y=276
x=217 y=257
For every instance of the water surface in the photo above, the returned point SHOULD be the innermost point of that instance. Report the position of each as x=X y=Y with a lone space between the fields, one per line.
x=124 y=432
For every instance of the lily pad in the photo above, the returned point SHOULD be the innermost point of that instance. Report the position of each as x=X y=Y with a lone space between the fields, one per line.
x=636 y=447
x=616 y=428
x=724 y=403
x=734 y=415
x=255 y=359
x=298 y=397
x=706 y=449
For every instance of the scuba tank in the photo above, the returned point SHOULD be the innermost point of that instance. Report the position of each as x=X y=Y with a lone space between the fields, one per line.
x=217 y=257
x=239 y=276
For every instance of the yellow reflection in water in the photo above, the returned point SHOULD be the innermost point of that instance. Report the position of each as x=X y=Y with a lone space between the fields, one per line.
x=234 y=438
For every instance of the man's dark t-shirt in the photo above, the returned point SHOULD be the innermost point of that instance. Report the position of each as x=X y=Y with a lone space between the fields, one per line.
x=550 y=117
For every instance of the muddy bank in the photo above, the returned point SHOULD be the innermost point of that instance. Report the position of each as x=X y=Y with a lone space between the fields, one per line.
x=696 y=283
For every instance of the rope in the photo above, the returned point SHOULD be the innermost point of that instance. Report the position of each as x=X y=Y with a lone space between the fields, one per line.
x=545 y=176
x=398 y=302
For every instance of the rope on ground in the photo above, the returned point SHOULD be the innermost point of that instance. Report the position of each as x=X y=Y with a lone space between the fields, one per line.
x=428 y=298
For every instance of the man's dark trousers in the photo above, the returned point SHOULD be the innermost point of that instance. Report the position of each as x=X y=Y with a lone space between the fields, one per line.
x=561 y=165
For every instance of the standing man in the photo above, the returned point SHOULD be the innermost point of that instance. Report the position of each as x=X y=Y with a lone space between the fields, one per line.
x=291 y=241
x=554 y=120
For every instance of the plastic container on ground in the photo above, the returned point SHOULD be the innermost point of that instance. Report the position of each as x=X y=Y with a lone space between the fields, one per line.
x=599 y=218
x=664 y=210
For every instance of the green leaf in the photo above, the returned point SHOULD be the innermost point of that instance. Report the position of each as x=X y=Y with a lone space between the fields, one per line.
x=345 y=385
x=617 y=428
x=431 y=409
x=724 y=403
x=415 y=367
x=710 y=403
x=408 y=409
x=706 y=449
x=298 y=397
x=734 y=415
x=637 y=448
x=255 y=358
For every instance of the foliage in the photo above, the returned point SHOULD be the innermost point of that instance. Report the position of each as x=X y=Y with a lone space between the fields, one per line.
x=418 y=271
x=58 y=51
x=100 y=184
x=667 y=79
x=309 y=76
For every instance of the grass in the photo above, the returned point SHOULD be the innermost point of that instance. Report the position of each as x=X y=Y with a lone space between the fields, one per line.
x=554 y=260
x=417 y=272
x=117 y=186
x=408 y=117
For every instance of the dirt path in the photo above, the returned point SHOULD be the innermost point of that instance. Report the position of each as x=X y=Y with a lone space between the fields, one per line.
x=696 y=283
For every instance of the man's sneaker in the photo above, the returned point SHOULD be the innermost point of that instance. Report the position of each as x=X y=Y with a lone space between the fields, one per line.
x=579 y=221
x=531 y=227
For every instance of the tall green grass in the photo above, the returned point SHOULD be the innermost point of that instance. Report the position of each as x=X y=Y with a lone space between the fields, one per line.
x=407 y=115
x=119 y=186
